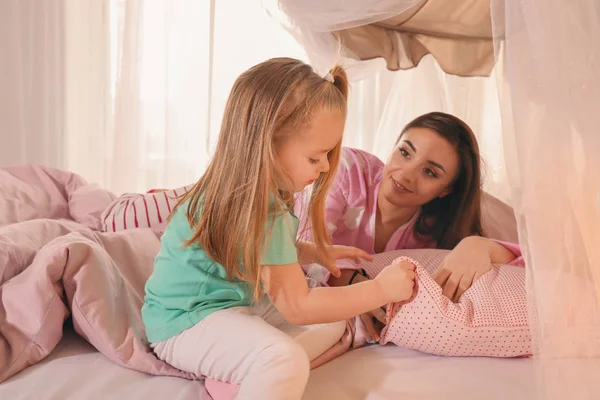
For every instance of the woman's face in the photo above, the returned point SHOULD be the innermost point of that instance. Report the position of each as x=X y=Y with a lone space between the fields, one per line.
x=421 y=168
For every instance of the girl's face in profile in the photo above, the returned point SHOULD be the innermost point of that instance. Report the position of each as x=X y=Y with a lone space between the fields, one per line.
x=303 y=155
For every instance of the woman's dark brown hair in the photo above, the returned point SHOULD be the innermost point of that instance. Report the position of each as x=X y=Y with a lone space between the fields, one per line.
x=450 y=219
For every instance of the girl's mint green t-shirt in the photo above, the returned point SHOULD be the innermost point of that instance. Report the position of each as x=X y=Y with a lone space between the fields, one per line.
x=187 y=285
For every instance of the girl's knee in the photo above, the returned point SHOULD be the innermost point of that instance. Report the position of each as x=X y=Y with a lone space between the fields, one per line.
x=297 y=363
x=280 y=371
x=298 y=356
x=317 y=339
x=289 y=358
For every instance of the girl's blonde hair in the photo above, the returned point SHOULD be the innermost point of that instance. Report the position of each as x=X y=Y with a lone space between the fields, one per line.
x=238 y=194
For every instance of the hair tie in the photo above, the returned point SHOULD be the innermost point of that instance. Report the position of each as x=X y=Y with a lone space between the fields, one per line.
x=329 y=77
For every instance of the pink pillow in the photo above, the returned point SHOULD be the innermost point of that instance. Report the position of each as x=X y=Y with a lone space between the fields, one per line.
x=490 y=318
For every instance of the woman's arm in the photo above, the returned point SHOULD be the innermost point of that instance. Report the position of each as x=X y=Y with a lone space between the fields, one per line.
x=499 y=254
x=467 y=262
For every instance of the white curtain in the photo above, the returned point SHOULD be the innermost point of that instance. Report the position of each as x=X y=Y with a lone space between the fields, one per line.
x=542 y=108
x=172 y=65
x=31 y=81
x=549 y=58
x=130 y=93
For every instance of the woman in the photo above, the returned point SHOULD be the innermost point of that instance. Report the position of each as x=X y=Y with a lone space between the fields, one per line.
x=427 y=195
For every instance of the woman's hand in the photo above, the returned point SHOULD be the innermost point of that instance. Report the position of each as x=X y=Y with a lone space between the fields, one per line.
x=466 y=263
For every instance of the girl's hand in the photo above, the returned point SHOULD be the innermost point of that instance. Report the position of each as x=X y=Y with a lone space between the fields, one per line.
x=397 y=281
x=466 y=263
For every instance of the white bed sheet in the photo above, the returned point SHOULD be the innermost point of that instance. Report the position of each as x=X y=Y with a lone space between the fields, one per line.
x=76 y=371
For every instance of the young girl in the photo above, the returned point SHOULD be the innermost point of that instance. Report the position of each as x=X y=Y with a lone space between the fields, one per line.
x=232 y=238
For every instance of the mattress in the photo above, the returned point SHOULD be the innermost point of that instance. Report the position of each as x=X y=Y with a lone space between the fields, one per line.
x=75 y=370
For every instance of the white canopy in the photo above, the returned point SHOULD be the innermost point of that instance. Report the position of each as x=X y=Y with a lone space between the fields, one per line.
x=546 y=59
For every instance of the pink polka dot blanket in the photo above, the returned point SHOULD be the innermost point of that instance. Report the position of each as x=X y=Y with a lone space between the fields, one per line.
x=490 y=318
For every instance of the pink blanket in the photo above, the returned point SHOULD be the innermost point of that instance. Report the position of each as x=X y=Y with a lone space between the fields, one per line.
x=53 y=264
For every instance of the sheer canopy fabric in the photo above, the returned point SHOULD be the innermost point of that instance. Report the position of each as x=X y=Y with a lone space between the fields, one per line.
x=544 y=73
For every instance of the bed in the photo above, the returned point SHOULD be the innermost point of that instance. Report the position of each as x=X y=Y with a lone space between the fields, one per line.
x=75 y=370
x=70 y=323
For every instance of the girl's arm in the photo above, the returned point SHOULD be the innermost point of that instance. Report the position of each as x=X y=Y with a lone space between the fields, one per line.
x=300 y=305
x=307 y=252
